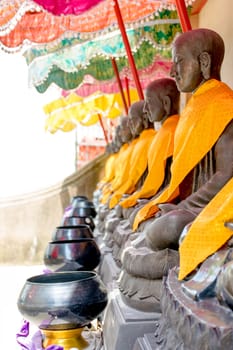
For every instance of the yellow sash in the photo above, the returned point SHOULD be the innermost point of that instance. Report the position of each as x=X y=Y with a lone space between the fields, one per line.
x=138 y=165
x=202 y=121
x=109 y=169
x=160 y=149
x=207 y=233
x=122 y=169
x=107 y=189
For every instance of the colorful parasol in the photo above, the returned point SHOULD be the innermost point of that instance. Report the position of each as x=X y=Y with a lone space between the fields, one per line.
x=115 y=7
x=66 y=112
x=23 y=22
x=89 y=85
x=107 y=83
x=67 y=67
x=71 y=7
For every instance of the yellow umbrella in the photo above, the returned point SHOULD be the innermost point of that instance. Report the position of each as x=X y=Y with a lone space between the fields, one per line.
x=65 y=113
x=52 y=124
x=61 y=102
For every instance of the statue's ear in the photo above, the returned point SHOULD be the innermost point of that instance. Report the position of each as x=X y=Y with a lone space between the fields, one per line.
x=205 y=62
x=167 y=105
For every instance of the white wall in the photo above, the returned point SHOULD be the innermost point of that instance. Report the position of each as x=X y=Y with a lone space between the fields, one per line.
x=218 y=15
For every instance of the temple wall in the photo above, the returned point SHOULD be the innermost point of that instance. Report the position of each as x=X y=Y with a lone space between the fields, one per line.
x=27 y=222
x=217 y=15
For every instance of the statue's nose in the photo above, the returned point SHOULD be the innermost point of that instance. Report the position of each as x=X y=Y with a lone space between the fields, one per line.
x=172 y=71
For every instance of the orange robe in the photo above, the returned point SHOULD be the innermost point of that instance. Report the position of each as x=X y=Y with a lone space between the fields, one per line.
x=109 y=169
x=160 y=150
x=107 y=189
x=196 y=133
x=207 y=233
x=121 y=169
x=138 y=165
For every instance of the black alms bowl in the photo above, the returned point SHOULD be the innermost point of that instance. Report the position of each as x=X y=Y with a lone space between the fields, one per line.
x=62 y=233
x=76 y=199
x=72 y=255
x=62 y=300
x=83 y=208
x=77 y=220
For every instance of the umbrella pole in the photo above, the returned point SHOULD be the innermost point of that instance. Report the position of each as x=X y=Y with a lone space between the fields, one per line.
x=115 y=68
x=102 y=126
x=127 y=90
x=128 y=49
x=183 y=15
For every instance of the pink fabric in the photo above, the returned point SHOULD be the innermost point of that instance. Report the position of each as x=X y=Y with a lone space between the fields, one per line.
x=30 y=338
x=67 y=7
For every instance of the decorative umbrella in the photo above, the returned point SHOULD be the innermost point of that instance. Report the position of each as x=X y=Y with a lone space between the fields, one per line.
x=150 y=44
x=66 y=112
x=121 y=22
x=71 y=7
x=116 y=9
x=89 y=85
x=99 y=75
x=23 y=22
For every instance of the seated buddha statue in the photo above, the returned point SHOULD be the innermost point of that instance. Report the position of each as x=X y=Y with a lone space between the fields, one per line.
x=201 y=165
x=161 y=107
x=131 y=179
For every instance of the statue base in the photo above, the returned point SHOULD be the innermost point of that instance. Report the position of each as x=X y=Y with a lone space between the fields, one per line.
x=147 y=342
x=188 y=324
x=125 y=324
x=108 y=269
x=102 y=246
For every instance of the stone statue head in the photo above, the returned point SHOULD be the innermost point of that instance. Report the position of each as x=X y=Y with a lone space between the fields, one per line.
x=117 y=141
x=125 y=131
x=136 y=120
x=109 y=148
x=197 y=56
x=161 y=100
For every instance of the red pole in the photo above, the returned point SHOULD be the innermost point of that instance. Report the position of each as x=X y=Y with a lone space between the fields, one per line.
x=115 y=68
x=183 y=15
x=128 y=49
x=102 y=126
x=127 y=90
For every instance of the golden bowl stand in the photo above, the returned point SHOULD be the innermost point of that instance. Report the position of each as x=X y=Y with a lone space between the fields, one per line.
x=68 y=339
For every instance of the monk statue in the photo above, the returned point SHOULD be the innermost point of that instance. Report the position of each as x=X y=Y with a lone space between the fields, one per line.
x=109 y=168
x=110 y=173
x=127 y=139
x=143 y=133
x=112 y=152
x=123 y=144
x=121 y=174
x=202 y=158
x=161 y=107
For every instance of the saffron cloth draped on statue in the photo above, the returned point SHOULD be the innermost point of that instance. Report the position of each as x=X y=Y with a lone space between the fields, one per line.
x=121 y=170
x=160 y=150
x=138 y=165
x=109 y=170
x=196 y=133
x=207 y=233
